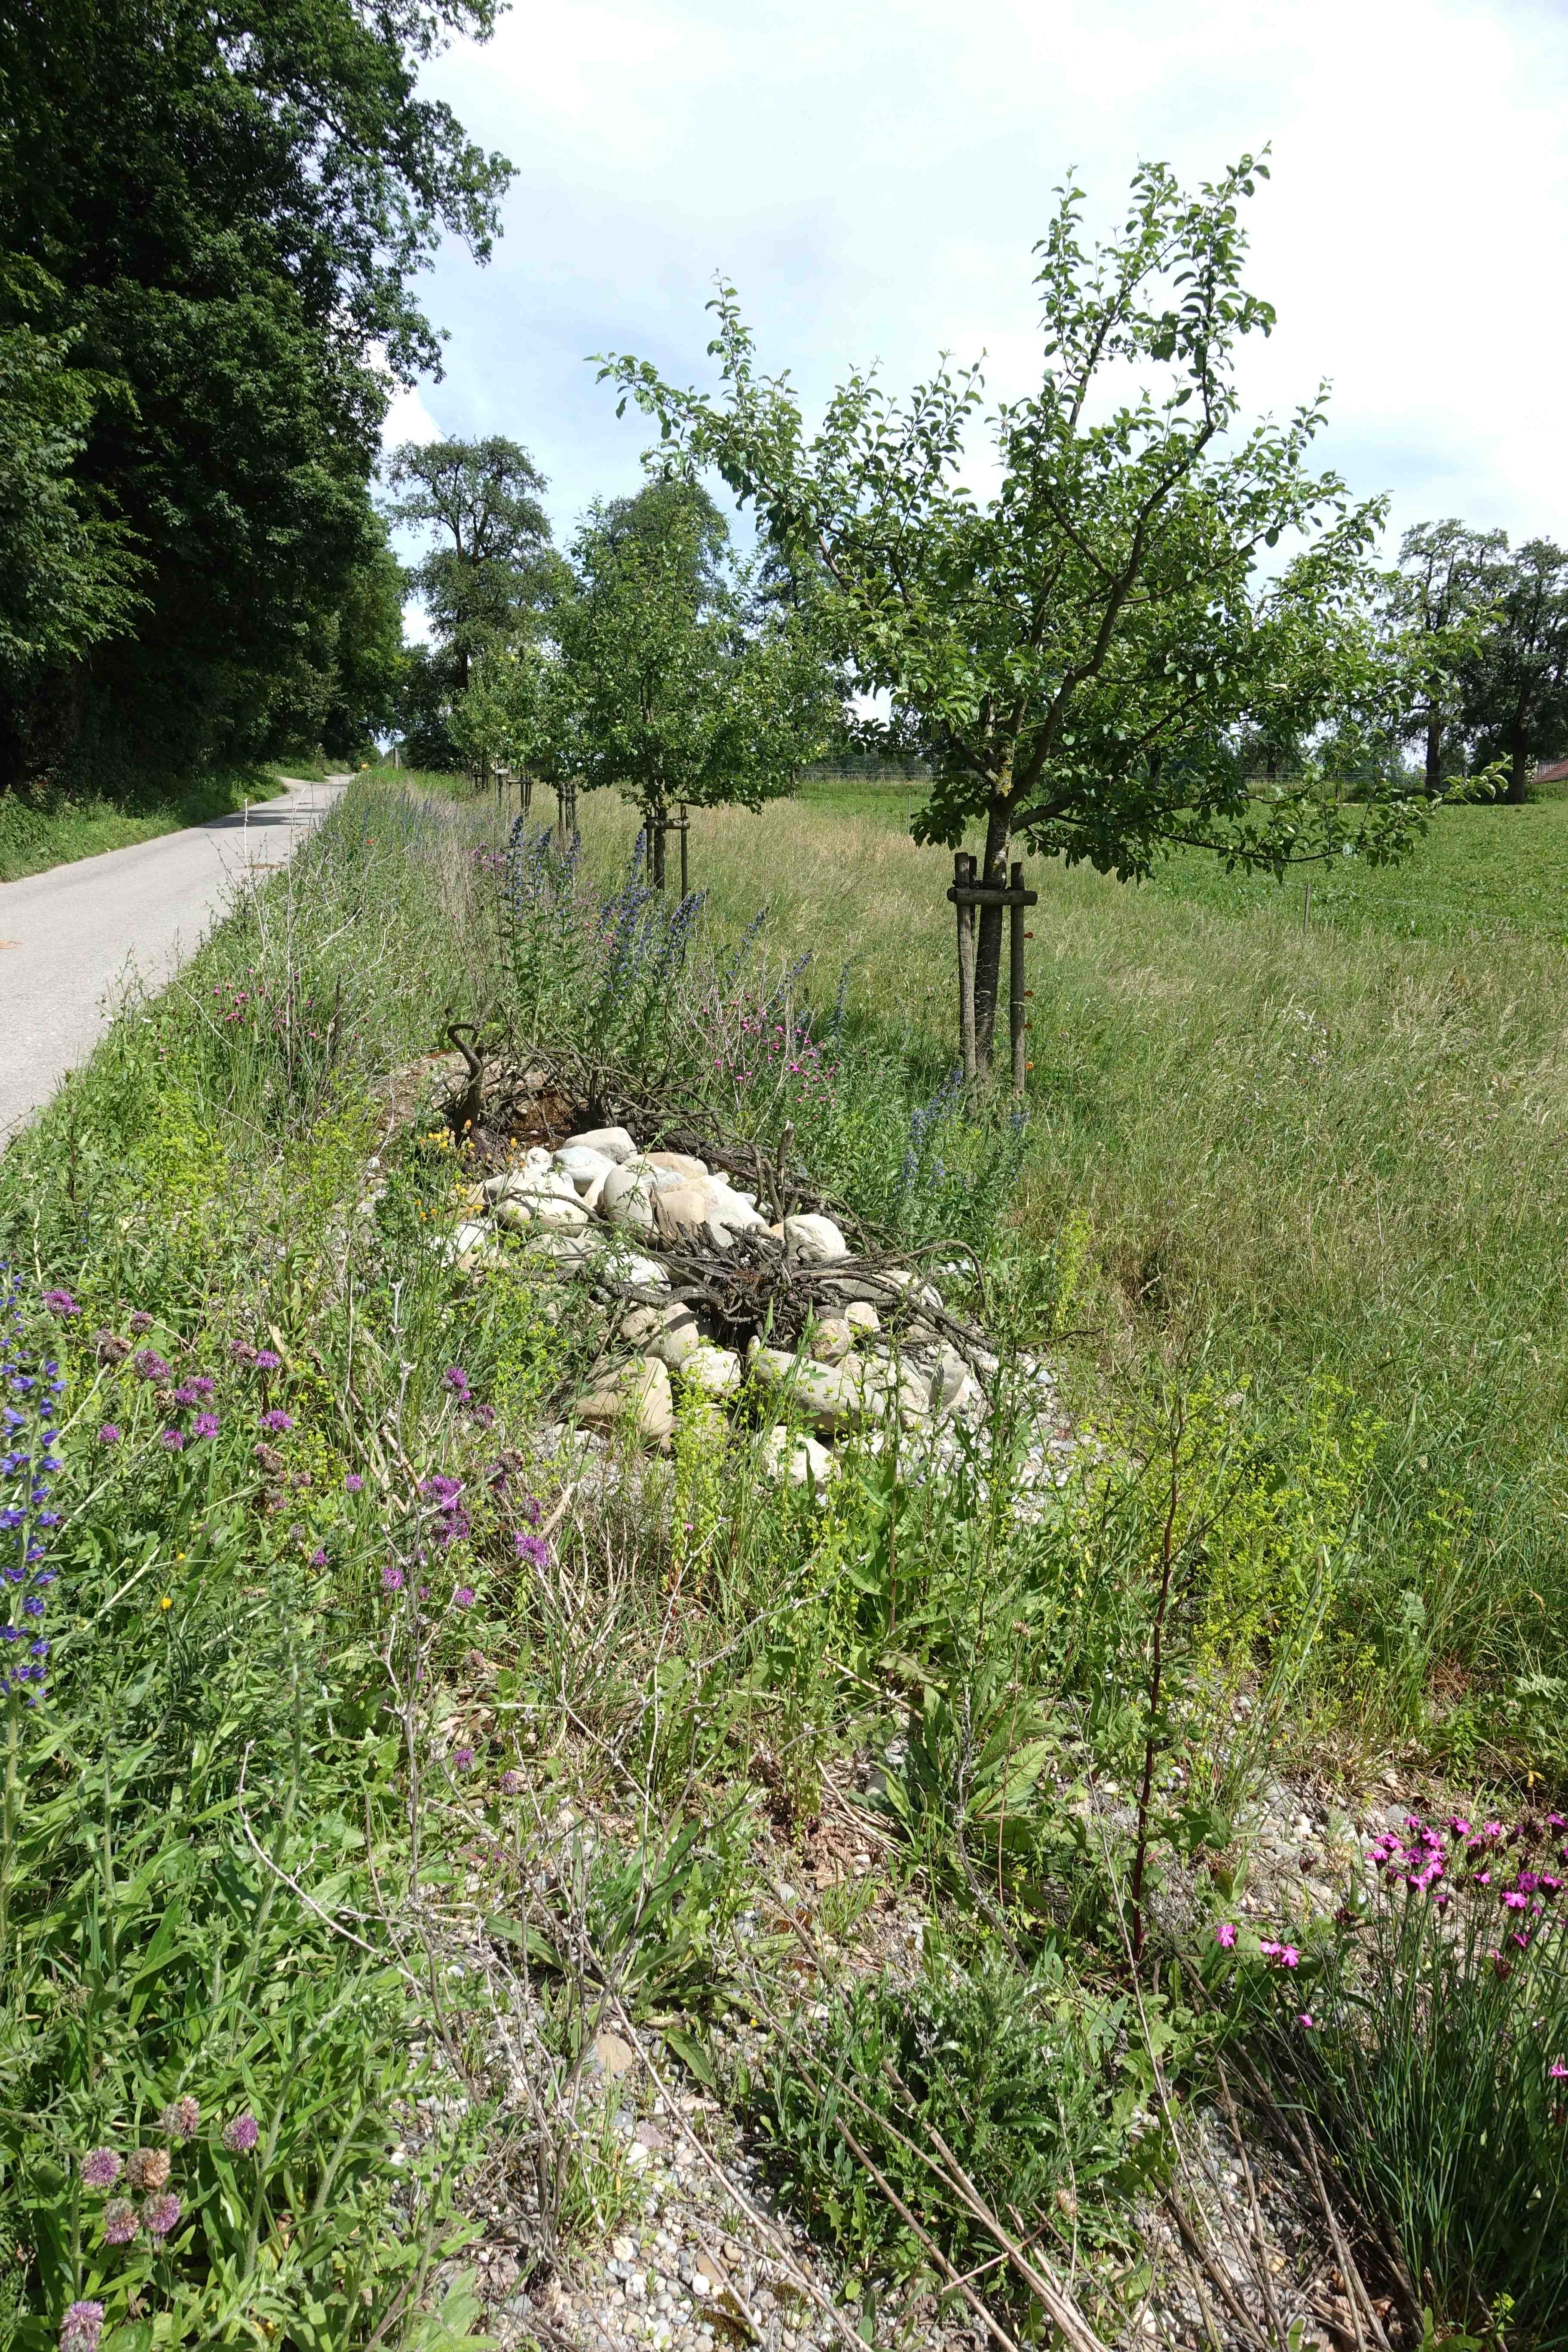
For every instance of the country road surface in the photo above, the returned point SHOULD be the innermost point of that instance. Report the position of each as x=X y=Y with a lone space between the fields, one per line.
x=72 y=938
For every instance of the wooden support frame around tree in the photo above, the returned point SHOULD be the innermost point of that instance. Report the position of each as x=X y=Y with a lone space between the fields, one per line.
x=966 y=894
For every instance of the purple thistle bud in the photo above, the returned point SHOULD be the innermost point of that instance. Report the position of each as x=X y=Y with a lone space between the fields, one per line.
x=102 y=2167
x=241 y=2133
x=140 y=1320
x=81 y=2327
x=111 y=1433
x=149 y=1365
x=120 y=2222
x=391 y=1579
x=455 y=1378
x=161 y=2214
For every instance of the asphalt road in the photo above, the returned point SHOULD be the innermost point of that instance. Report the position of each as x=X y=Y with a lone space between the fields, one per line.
x=73 y=940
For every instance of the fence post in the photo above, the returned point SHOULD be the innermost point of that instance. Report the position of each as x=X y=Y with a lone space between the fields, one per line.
x=685 y=877
x=963 y=879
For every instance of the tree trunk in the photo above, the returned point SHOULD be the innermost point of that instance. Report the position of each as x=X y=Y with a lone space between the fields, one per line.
x=657 y=835
x=988 y=949
x=1433 y=753
x=1519 y=761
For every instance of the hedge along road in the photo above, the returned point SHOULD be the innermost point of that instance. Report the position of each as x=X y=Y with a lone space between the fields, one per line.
x=74 y=939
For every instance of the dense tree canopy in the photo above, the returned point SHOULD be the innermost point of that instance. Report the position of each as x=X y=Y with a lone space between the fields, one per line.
x=489 y=570
x=1075 y=652
x=227 y=203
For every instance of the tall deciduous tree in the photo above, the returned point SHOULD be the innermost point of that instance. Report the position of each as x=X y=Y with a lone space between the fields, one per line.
x=1515 y=680
x=1073 y=652
x=490 y=568
x=1434 y=604
x=231 y=203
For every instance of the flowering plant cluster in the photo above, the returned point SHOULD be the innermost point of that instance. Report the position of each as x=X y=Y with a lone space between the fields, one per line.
x=1517 y=1867
x=28 y=1388
x=757 y=1048
x=143 y=2201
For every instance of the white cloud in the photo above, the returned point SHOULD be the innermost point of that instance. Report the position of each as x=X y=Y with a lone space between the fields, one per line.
x=407 y=419
x=874 y=176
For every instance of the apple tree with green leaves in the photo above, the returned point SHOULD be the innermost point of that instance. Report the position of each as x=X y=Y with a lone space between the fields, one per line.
x=1076 y=653
x=676 y=684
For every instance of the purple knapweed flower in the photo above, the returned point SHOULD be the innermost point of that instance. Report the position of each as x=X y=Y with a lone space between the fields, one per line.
x=455 y=1378
x=161 y=2214
x=81 y=2327
x=463 y=1758
x=485 y=1414
x=139 y=1321
x=186 y=1393
x=277 y=1422
x=353 y=1482
x=120 y=2222
x=204 y=1425
x=464 y=1597
x=318 y=1558
x=266 y=1360
x=241 y=2133
x=532 y=1548
x=102 y=2167
x=172 y=1440
x=204 y=1385
x=111 y=1433
x=148 y=1365
x=391 y=1579
x=61 y=1302
x=511 y=1784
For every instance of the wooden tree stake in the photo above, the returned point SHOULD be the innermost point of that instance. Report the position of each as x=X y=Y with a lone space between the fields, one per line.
x=962 y=880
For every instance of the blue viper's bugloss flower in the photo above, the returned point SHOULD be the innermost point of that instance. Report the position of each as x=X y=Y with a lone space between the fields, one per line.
x=26 y=1468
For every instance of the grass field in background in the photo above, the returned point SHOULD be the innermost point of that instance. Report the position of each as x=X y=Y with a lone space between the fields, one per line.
x=1325 y=1164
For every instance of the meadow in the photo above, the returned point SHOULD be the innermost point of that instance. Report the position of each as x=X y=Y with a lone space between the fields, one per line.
x=372 y=1764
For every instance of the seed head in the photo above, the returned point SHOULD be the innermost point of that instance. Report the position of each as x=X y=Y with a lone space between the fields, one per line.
x=161 y=2214
x=120 y=2222
x=241 y=2133
x=147 y=2167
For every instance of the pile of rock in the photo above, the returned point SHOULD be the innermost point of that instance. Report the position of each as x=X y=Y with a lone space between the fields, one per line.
x=667 y=1237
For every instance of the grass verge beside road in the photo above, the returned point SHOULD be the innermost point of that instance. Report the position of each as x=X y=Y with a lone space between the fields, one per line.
x=45 y=829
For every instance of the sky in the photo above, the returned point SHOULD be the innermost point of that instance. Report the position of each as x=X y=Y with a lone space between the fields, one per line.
x=872 y=175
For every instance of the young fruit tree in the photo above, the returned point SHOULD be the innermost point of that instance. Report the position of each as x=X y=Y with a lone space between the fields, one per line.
x=1075 y=652
x=675 y=685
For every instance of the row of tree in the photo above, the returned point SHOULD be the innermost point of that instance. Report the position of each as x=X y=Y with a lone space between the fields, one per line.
x=652 y=657
x=210 y=218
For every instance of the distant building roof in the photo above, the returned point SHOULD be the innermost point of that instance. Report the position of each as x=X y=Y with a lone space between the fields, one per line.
x=1552 y=771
